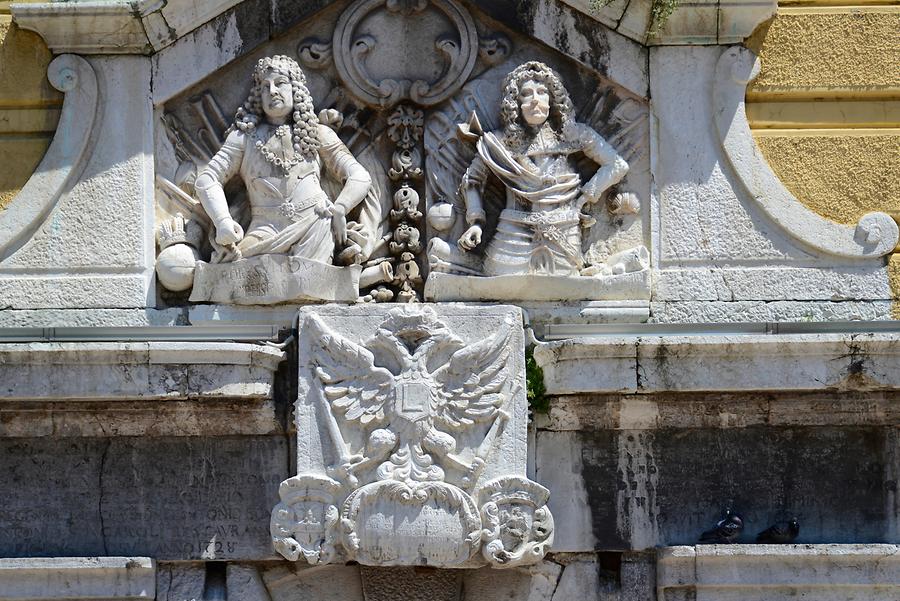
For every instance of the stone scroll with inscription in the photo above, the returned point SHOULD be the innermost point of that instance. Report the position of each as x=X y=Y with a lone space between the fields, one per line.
x=411 y=441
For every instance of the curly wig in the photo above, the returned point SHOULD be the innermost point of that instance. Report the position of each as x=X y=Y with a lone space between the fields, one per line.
x=561 y=109
x=304 y=130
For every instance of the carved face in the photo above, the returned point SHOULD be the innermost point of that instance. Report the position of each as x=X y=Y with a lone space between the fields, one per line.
x=534 y=100
x=277 y=95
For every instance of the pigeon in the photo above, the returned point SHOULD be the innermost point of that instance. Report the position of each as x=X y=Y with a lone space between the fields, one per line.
x=726 y=530
x=781 y=533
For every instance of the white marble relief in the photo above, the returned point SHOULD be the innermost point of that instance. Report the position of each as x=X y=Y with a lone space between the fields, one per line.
x=301 y=183
x=536 y=248
x=411 y=441
x=332 y=236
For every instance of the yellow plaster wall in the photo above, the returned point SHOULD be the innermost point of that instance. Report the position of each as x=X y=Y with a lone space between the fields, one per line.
x=820 y=51
x=825 y=109
x=840 y=174
x=29 y=106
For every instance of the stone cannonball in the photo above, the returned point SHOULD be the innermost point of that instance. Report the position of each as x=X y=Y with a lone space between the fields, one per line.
x=175 y=267
x=440 y=216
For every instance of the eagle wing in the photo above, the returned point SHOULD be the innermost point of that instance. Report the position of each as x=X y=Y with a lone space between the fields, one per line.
x=351 y=382
x=473 y=384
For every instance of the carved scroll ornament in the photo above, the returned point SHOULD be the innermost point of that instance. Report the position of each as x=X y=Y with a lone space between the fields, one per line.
x=874 y=236
x=455 y=46
x=65 y=157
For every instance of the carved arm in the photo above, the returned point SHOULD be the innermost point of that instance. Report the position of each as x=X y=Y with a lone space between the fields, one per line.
x=612 y=166
x=472 y=187
x=209 y=187
x=342 y=164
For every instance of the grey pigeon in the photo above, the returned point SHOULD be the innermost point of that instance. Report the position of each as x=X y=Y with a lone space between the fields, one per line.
x=726 y=530
x=781 y=533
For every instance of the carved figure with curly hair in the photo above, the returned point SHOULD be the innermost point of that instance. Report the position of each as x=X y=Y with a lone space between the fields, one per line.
x=540 y=229
x=560 y=107
x=282 y=152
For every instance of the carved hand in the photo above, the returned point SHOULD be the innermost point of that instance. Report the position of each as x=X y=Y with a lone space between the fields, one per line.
x=228 y=231
x=471 y=238
x=339 y=225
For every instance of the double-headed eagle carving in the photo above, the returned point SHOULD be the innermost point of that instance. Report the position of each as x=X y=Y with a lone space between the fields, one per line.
x=415 y=385
x=420 y=468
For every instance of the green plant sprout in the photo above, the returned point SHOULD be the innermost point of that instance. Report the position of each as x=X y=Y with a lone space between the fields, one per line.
x=534 y=385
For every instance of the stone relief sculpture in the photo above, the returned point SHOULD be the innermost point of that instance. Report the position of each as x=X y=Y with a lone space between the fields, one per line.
x=282 y=153
x=369 y=201
x=539 y=230
x=411 y=444
x=298 y=234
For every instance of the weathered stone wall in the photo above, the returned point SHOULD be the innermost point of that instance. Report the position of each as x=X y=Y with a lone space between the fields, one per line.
x=164 y=459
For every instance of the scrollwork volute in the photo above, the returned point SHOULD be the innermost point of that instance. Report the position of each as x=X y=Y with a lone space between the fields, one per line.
x=66 y=155
x=374 y=70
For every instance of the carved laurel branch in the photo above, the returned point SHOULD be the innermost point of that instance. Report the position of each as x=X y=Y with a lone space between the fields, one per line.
x=874 y=236
x=65 y=157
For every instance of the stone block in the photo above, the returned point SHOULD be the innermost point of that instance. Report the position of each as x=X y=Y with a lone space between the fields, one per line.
x=779 y=572
x=244 y=582
x=692 y=22
x=178 y=499
x=637 y=489
x=96 y=247
x=137 y=370
x=73 y=578
x=720 y=362
x=320 y=583
x=559 y=465
x=180 y=582
x=739 y=18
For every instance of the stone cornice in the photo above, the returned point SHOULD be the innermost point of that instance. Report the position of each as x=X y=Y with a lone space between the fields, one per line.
x=137 y=370
x=727 y=362
x=117 y=27
x=67 y=578
x=741 y=571
x=147 y=26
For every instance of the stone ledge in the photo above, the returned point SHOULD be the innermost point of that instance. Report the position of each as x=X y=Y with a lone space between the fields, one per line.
x=728 y=362
x=64 y=578
x=692 y=22
x=775 y=572
x=148 y=26
x=137 y=370
x=116 y=27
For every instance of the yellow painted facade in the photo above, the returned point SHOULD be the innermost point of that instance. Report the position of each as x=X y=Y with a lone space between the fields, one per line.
x=29 y=106
x=825 y=108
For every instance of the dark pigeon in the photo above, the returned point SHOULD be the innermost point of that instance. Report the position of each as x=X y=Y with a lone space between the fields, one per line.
x=726 y=530
x=780 y=534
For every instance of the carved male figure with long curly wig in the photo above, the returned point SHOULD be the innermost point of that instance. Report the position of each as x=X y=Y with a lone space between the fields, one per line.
x=539 y=230
x=282 y=153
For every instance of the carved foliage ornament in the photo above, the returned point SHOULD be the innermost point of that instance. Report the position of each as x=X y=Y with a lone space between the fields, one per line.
x=413 y=425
